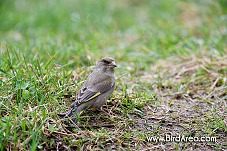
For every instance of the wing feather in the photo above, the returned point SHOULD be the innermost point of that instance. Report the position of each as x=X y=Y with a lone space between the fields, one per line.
x=96 y=84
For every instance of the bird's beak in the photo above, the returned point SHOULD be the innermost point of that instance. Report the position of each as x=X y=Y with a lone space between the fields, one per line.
x=112 y=64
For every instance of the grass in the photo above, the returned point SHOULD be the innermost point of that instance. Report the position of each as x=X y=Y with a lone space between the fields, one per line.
x=171 y=79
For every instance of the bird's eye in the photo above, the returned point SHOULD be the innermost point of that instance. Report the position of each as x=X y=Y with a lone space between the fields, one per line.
x=105 y=61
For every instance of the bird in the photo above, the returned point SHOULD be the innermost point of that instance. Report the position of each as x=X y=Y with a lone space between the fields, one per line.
x=96 y=89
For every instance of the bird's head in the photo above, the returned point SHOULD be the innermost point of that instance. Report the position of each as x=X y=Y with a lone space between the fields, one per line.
x=107 y=62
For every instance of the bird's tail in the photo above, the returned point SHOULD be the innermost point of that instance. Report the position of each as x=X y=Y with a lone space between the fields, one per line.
x=62 y=115
x=70 y=114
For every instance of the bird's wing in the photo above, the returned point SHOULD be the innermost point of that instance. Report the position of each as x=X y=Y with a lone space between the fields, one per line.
x=96 y=84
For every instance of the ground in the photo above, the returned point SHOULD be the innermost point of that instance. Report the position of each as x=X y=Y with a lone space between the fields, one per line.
x=171 y=78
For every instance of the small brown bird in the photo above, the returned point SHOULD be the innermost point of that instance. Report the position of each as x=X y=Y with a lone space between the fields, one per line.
x=96 y=89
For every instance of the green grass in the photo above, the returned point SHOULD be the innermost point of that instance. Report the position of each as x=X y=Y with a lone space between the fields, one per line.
x=172 y=72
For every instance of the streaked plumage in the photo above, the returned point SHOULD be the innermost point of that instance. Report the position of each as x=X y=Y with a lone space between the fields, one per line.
x=96 y=89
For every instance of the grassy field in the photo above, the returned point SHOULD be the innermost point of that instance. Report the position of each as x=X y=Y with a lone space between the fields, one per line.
x=171 y=75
